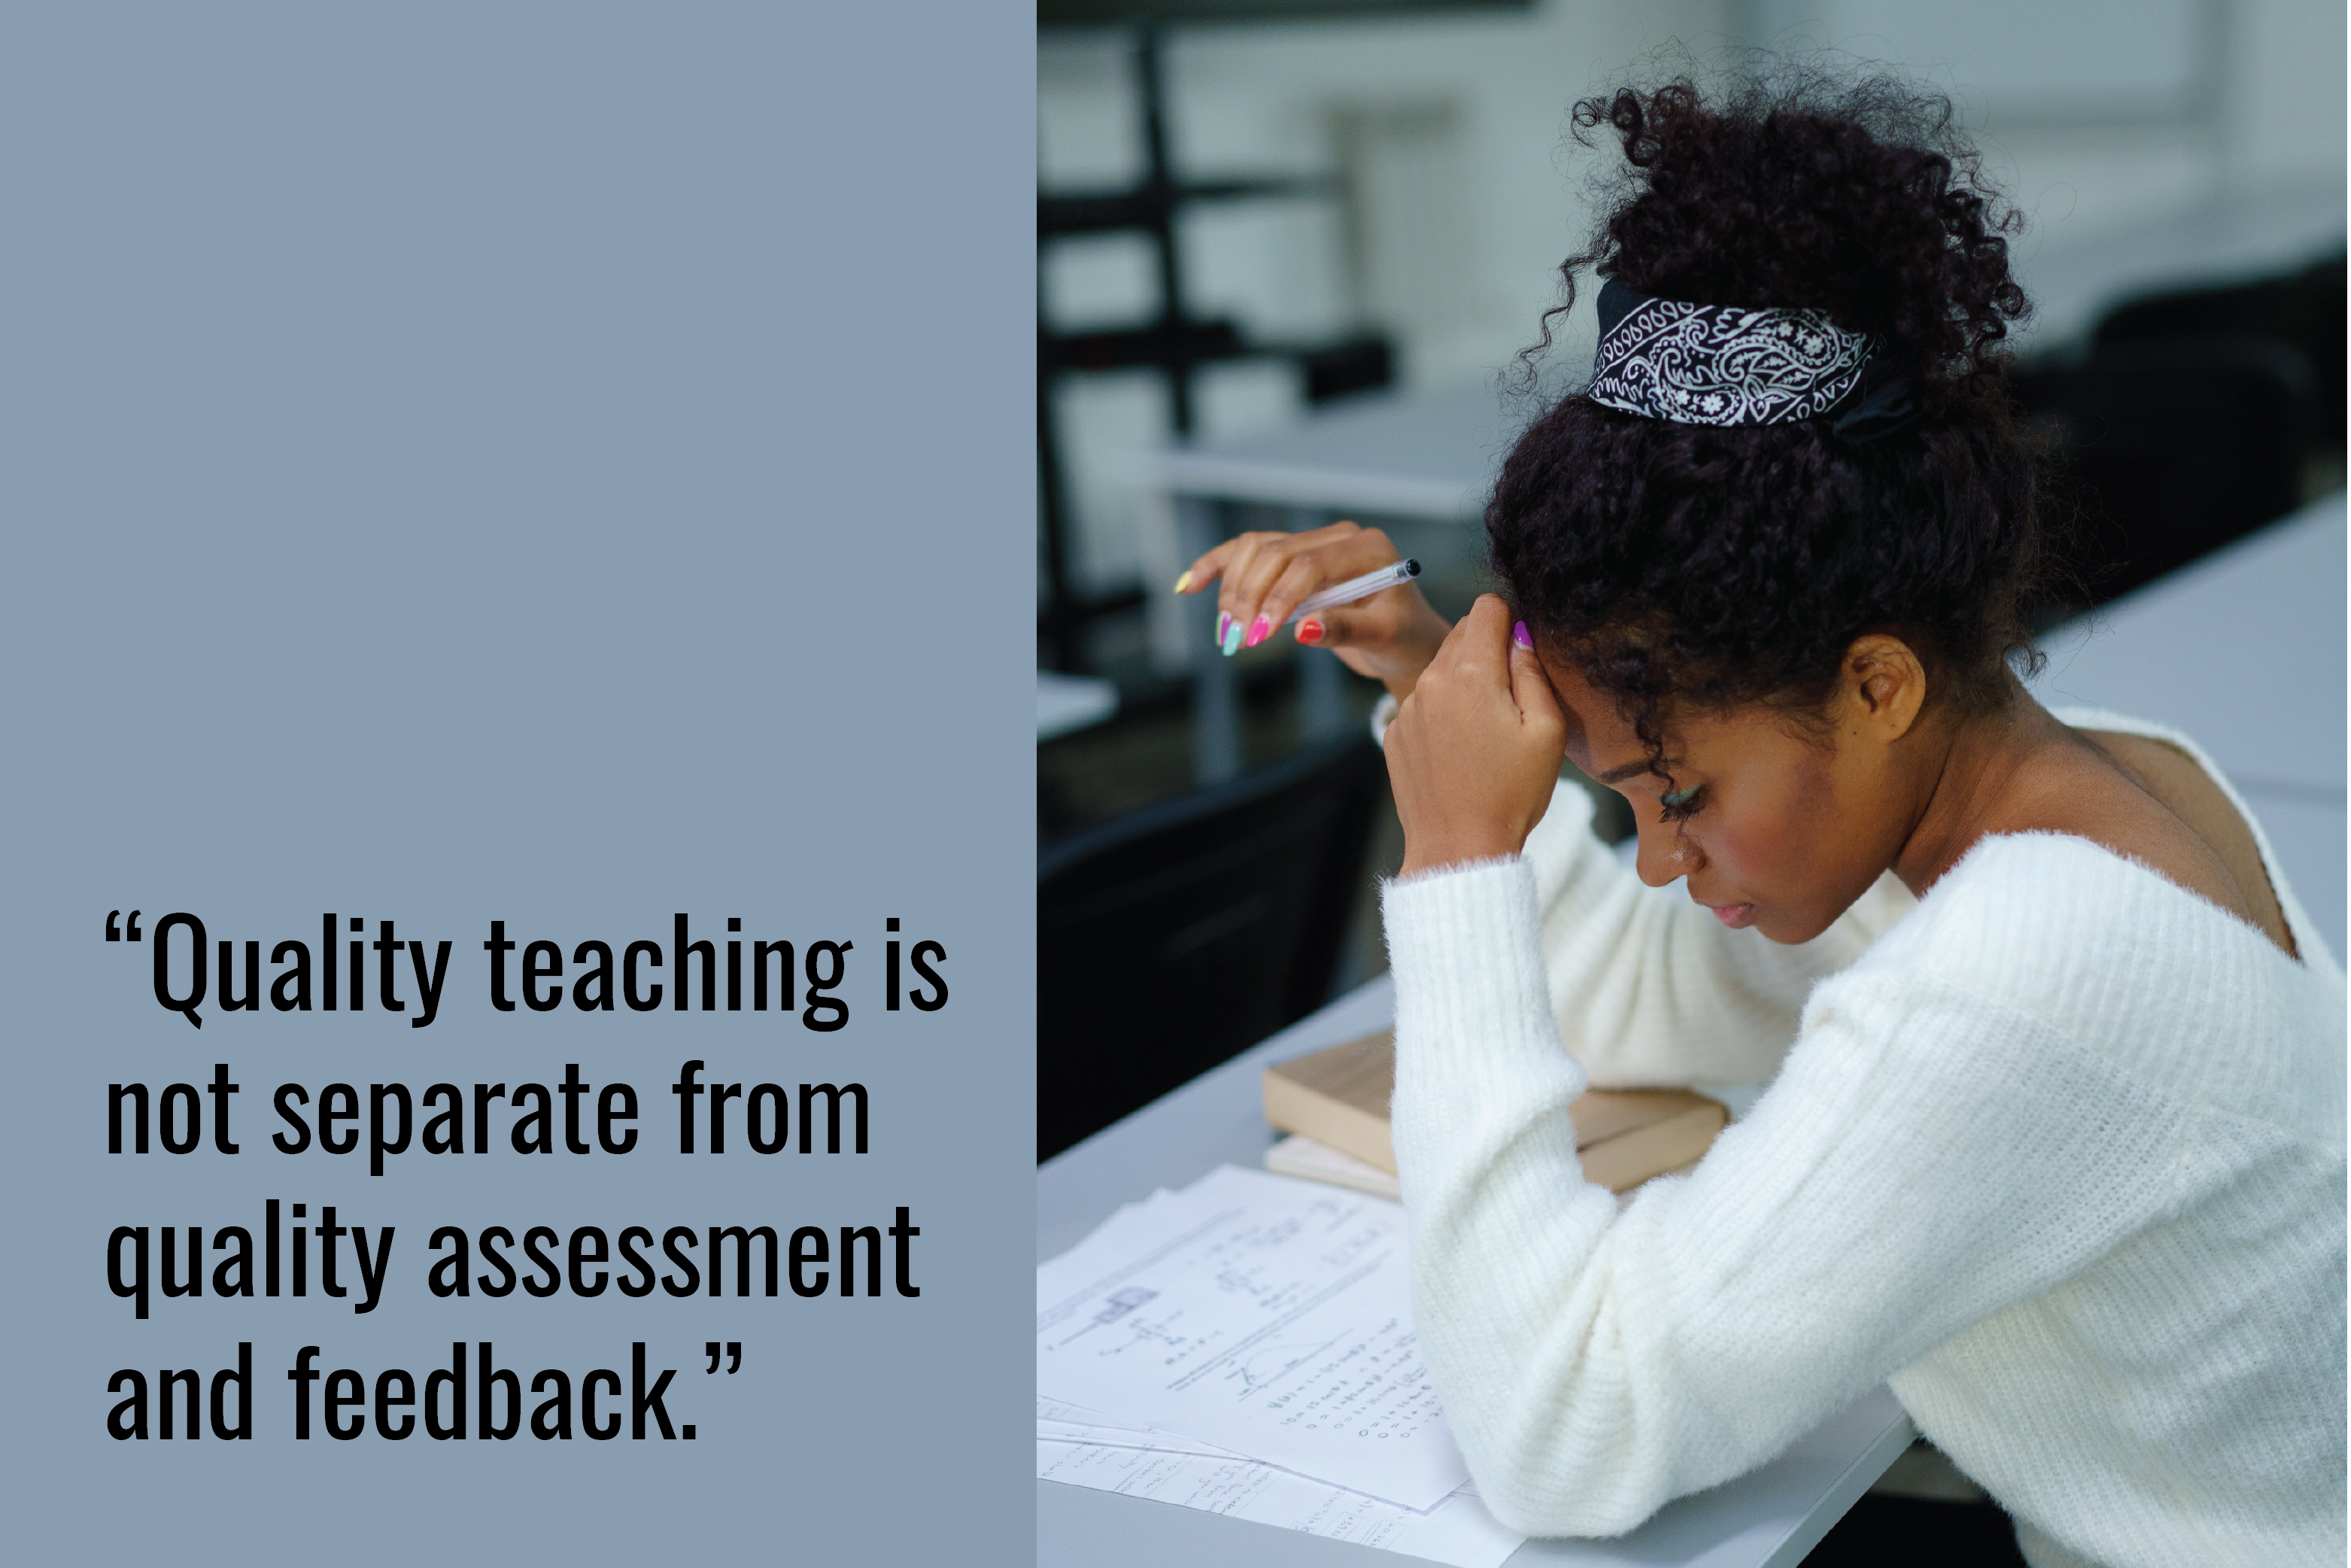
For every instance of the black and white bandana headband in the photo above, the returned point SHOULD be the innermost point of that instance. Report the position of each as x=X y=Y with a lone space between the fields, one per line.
x=1728 y=365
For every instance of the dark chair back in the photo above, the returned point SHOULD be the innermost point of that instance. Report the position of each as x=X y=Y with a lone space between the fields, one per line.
x=2167 y=449
x=2304 y=312
x=1176 y=937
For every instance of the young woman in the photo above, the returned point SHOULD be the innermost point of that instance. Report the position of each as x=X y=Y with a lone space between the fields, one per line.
x=2055 y=1136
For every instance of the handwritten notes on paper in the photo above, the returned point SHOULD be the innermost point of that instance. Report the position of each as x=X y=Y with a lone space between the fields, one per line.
x=1253 y=1337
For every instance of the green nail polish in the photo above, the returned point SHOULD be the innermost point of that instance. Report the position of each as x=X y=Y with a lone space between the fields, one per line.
x=1232 y=639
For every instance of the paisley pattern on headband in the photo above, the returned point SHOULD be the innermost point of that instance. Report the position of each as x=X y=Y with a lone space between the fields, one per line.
x=1719 y=365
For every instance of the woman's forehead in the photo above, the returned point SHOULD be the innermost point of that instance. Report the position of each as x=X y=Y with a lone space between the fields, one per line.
x=1602 y=742
x=1600 y=738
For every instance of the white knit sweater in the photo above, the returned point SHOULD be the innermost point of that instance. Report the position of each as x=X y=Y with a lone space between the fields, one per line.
x=2057 y=1151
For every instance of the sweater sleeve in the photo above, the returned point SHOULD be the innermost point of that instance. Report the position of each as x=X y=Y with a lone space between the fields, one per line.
x=1594 y=1364
x=1650 y=989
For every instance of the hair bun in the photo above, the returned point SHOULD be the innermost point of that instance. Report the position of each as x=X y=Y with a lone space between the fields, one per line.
x=1805 y=190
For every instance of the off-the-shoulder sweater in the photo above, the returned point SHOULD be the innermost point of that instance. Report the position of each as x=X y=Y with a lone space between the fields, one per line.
x=2057 y=1150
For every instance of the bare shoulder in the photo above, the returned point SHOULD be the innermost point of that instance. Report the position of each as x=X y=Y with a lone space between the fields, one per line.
x=2165 y=812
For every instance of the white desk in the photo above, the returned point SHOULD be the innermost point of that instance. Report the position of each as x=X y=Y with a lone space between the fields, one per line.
x=1069 y=703
x=1386 y=453
x=1768 y=1519
x=2242 y=651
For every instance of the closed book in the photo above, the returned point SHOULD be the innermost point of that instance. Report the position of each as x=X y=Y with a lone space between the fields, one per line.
x=1338 y=1097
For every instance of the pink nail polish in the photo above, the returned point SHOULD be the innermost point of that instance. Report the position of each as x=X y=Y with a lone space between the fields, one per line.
x=1521 y=636
x=1259 y=629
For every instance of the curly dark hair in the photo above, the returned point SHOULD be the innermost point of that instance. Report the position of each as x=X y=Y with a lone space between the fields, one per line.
x=1704 y=568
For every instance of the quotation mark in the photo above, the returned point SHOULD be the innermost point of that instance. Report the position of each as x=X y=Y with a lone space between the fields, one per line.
x=113 y=935
x=734 y=1350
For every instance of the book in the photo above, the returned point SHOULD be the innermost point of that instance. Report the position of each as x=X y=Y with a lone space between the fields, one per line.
x=1300 y=1155
x=1338 y=1097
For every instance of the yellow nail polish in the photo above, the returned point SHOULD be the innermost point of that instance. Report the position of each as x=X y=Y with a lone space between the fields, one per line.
x=1182 y=582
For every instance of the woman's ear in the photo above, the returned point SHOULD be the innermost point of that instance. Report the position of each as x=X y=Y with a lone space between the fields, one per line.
x=1884 y=688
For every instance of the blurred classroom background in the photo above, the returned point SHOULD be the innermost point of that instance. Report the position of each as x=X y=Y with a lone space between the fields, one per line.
x=1287 y=251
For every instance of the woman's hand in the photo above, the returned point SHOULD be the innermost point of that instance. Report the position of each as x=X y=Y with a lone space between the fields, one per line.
x=1391 y=636
x=1474 y=752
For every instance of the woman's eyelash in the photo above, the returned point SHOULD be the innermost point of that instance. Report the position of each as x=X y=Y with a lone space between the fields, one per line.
x=1682 y=804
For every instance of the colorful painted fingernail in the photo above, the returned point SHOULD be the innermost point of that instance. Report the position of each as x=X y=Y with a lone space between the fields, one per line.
x=1521 y=636
x=1309 y=631
x=1232 y=643
x=1224 y=624
x=1182 y=582
x=1259 y=629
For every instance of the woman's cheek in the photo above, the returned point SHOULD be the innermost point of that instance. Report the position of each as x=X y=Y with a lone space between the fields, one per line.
x=1743 y=861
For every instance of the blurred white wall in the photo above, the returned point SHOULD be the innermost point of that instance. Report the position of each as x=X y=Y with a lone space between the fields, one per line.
x=2145 y=140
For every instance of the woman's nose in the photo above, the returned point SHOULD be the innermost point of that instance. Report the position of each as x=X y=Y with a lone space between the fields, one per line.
x=1662 y=854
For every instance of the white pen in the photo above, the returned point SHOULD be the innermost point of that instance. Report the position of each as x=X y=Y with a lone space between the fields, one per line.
x=1356 y=588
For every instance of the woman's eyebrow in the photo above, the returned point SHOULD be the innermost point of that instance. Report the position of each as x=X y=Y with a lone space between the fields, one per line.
x=1618 y=775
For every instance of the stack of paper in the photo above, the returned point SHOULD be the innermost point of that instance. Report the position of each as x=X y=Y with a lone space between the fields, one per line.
x=1245 y=1346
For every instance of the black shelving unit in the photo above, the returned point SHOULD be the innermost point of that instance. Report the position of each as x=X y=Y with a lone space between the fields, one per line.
x=1175 y=344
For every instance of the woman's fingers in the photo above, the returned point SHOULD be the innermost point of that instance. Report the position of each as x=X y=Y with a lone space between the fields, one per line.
x=1369 y=623
x=1473 y=754
x=1530 y=688
x=1391 y=636
x=1333 y=628
x=1314 y=568
x=1206 y=569
x=1264 y=582
x=1233 y=559
x=1262 y=578
x=1282 y=555
x=1476 y=649
x=1238 y=568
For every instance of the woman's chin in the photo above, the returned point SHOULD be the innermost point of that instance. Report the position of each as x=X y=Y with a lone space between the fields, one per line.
x=1779 y=925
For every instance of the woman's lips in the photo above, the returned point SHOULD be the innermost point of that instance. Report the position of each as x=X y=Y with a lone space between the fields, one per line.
x=1736 y=915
